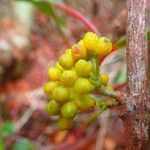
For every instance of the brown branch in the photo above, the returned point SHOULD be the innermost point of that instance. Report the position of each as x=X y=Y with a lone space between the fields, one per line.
x=136 y=116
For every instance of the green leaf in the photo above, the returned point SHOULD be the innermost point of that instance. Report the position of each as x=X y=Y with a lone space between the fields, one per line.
x=46 y=8
x=23 y=144
x=7 y=129
x=121 y=77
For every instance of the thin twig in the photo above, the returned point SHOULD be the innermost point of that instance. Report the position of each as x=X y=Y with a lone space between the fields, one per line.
x=79 y=16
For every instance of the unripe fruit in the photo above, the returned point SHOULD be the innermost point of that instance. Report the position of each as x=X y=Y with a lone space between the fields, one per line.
x=64 y=123
x=83 y=50
x=60 y=94
x=68 y=77
x=85 y=103
x=53 y=108
x=72 y=94
x=69 y=110
x=54 y=73
x=104 y=78
x=83 y=86
x=49 y=87
x=59 y=67
x=79 y=51
x=104 y=47
x=66 y=60
x=83 y=68
x=91 y=42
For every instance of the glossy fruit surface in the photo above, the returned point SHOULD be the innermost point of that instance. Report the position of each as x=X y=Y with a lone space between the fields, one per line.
x=83 y=68
x=91 y=42
x=53 y=108
x=59 y=67
x=49 y=87
x=104 y=47
x=54 y=73
x=66 y=61
x=85 y=103
x=72 y=94
x=60 y=94
x=69 y=110
x=68 y=77
x=83 y=86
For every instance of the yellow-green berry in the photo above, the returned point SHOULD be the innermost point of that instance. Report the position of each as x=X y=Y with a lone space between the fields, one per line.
x=60 y=94
x=83 y=86
x=53 y=108
x=83 y=68
x=68 y=77
x=49 y=87
x=66 y=61
x=59 y=67
x=72 y=94
x=54 y=73
x=69 y=110
x=104 y=47
x=91 y=42
x=85 y=103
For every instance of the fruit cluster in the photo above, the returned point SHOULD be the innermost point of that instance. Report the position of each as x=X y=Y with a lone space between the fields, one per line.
x=70 y=85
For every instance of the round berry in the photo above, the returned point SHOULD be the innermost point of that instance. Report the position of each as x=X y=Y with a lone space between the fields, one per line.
x=90 y=41
x=104 y=47
x=59 y=67
x=49 y=87
x=69 y=110
x=66 y=60
x=83 y=86
x=79 y=51
x=83 y=68
x=68 y=77
x=72 y=94
x=64 y=123
x=104 y=78
x=60 y=94
x=53 y=108
x=83 y=49
x=54 y=73
x=85 y=103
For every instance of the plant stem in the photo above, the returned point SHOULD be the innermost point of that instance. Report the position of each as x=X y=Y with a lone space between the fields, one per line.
x=135 y=118
x=93 y=117
x=79 y=16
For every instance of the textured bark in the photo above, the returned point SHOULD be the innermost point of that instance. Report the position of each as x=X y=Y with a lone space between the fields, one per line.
x=136 y=116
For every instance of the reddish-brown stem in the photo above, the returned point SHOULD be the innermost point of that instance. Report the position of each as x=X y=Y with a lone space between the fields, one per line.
x=135 y=118
x=79 y=16
x=119 y=86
